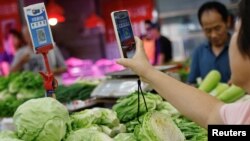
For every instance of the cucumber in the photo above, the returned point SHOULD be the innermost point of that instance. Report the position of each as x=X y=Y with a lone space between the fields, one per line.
x=232 y=94
x=219 y=89
x=210 y=81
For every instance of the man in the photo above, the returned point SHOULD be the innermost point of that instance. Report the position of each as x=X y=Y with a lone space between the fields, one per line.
x=26 y=60
x=148 y=42
x=213 y=54
x=163 y=46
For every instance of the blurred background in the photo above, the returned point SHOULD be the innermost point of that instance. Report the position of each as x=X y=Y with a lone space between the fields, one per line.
x=82 y=29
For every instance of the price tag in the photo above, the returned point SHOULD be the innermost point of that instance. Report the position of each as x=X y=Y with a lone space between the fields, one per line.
x=37 y=21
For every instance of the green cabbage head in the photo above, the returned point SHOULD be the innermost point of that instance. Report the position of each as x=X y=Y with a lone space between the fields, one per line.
x=99 y=116
x=88 y=135
x=157 y=126
x=41 y=119
x=125 y=137
x=8 y=136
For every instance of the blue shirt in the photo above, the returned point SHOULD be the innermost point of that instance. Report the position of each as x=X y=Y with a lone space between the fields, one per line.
x=204 y=60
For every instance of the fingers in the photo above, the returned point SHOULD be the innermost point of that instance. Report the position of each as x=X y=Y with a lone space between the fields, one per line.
x=128 y=62
x=138 y=41
x=139 y=45
x=124 y=62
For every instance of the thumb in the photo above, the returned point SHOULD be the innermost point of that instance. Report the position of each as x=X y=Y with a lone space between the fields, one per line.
x=139 y=44
x=124 y=62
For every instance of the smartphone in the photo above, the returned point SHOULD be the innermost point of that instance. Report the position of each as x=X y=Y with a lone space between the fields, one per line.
x=124 y=33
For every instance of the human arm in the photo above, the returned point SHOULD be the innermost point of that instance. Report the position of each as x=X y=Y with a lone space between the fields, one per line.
x=191 y=102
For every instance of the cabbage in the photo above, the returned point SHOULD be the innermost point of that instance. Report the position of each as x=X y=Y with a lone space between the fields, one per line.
x=167 y=108
x=42 y=119
x=95 y=127
x=98 y=119
x=8 y=136
x=125 y=137
x=106 y=130
x=133 y=123
x=121 y=128
x=126 y=108
x=10 y=139
x=88 y=135
x=157 y=126
x=113 y=131
x=99 y=116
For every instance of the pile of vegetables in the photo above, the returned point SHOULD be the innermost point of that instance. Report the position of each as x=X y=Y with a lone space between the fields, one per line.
x=43 y=119
x=77 y=91
x=157 y=126
x=101 y=122
x=158 y=123
x=16 y=89
x=184 y=70
x=223 y=91
x=190 y=129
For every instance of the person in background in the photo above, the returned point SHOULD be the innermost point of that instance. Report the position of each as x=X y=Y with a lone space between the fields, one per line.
x=198 y=106
x=15 y=41
x=148 y=42
x=26 y=60
x=147 y=25
x=213 y=54
x=163 y=46
x=8 y=52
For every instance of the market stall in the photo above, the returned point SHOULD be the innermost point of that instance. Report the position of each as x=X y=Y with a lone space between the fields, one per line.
x=95 y=98
x=90 y=109
x=120 y=122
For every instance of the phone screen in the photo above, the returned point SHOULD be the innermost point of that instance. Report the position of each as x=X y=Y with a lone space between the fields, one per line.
x=125 y=33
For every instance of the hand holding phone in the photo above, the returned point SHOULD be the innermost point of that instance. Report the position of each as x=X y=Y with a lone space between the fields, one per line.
x=124 y=33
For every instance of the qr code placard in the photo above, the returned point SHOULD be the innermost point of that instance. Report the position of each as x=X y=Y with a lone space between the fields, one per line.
x=41 y=36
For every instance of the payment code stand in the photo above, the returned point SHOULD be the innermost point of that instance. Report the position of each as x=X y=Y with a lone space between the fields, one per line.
x=40 y=32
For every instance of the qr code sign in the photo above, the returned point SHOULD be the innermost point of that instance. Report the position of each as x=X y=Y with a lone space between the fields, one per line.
x=41 y=36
